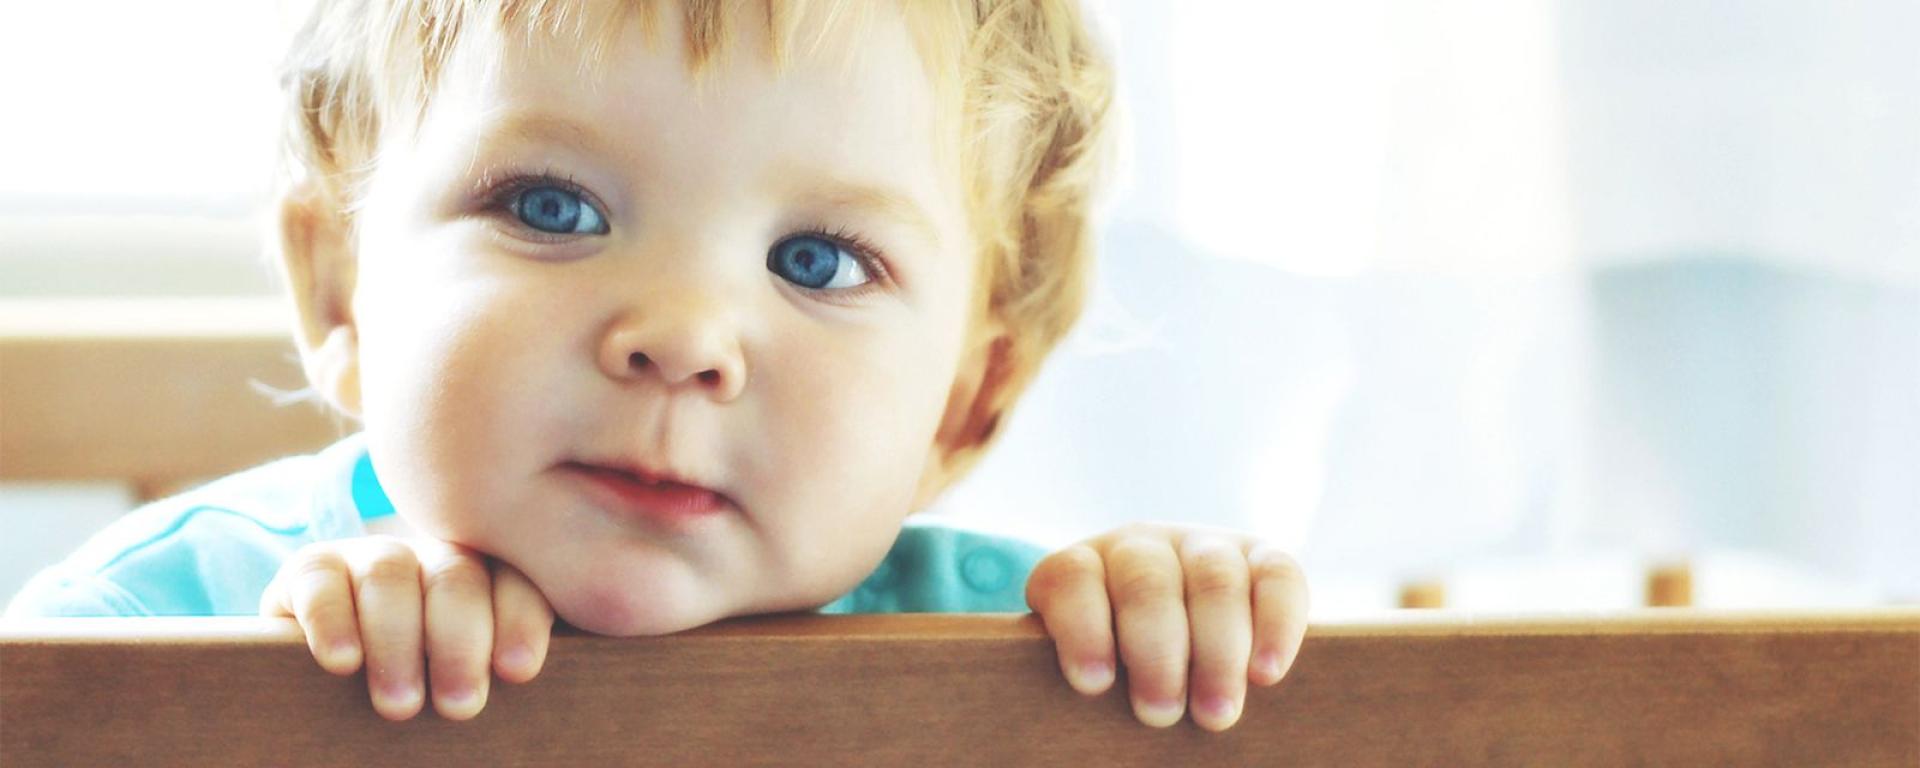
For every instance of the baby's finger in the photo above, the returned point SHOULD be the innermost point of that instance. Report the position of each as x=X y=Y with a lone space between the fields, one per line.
x=1143 y=581
x=1220 y=615
x=386 y=581
x=1279 y=613
x=523 y=623
x=313 y=588
x=1069 y=591
x=459 y=613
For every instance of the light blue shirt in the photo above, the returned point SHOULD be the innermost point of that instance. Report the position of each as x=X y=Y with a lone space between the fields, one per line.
x=212 y=551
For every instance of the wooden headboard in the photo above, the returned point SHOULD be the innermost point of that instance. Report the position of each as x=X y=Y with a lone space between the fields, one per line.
x=1648 y=688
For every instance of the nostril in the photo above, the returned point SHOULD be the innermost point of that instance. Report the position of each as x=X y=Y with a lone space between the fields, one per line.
x=637 y=360
x=710 y=377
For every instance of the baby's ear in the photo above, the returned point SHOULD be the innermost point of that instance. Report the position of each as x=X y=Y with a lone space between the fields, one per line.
x=982 y=393
x=317 y=260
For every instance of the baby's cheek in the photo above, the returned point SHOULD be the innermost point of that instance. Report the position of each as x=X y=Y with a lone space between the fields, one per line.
x=845 y=423
x=848 y=498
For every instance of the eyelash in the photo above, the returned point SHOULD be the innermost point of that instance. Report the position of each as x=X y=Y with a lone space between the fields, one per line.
x=497 y=199
x=871 y=258
x=498 y=196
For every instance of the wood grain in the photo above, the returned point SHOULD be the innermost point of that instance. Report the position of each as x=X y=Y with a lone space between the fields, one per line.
x=1677 y=688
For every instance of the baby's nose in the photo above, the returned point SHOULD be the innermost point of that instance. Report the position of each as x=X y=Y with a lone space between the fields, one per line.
x=682 y=347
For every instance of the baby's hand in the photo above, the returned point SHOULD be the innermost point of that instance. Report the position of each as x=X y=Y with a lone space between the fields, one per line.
x=390 y=600
x=1229 y=604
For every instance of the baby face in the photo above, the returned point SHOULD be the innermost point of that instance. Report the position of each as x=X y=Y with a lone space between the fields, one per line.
x=678 y=348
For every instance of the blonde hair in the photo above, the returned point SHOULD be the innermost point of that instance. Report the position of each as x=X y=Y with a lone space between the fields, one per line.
x=1033 y=95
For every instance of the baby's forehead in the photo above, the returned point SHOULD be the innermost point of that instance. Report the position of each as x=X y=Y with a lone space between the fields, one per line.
x=777 y=34
x=633 y=89
x=844 y=74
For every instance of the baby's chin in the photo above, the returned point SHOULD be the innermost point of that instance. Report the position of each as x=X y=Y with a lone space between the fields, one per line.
x=632 y=612
x=655 y=610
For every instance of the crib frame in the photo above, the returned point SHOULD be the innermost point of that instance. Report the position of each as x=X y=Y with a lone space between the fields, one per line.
x=1656 y=687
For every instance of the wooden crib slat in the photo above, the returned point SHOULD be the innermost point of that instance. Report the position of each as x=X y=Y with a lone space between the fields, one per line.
x=1686 y=689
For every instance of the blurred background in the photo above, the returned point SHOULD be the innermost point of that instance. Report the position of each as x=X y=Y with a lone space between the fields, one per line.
x=1516 y=300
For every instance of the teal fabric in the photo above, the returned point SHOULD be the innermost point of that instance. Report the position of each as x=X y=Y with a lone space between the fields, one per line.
x=212 y=551
x=937 y=569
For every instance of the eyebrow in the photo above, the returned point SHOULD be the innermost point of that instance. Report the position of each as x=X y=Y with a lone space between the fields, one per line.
x=824 y=189
x=879 y=202
x=536 y=128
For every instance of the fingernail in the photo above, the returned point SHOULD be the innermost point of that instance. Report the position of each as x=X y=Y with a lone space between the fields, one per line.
x=1158 y=714
x=342 y=650
x=1218 y=709
x=1095 y=675
x=517 y=658
x=1269 y=666
x=457 y=697
x=401 y=694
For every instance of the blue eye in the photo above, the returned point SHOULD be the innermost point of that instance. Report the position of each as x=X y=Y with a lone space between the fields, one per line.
x=558 y=211
x=811 y=261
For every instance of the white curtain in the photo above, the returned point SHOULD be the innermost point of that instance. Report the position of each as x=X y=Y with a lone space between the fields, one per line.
x=1406 y=284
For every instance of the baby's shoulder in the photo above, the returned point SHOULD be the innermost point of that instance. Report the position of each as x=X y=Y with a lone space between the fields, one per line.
x=207 y=551
x=940 y=567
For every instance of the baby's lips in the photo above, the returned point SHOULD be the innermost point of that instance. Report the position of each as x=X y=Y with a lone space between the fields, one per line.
x=644 y=473
x=666 y=508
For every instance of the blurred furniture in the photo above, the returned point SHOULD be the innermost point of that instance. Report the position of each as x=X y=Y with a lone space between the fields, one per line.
x=158 y=392
x=1670 y=585
x=1424 y=593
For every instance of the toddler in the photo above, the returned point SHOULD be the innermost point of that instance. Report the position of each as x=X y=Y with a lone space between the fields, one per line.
x=657 y=313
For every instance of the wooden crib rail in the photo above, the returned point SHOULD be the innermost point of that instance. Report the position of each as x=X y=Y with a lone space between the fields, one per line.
x=1649 y=688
